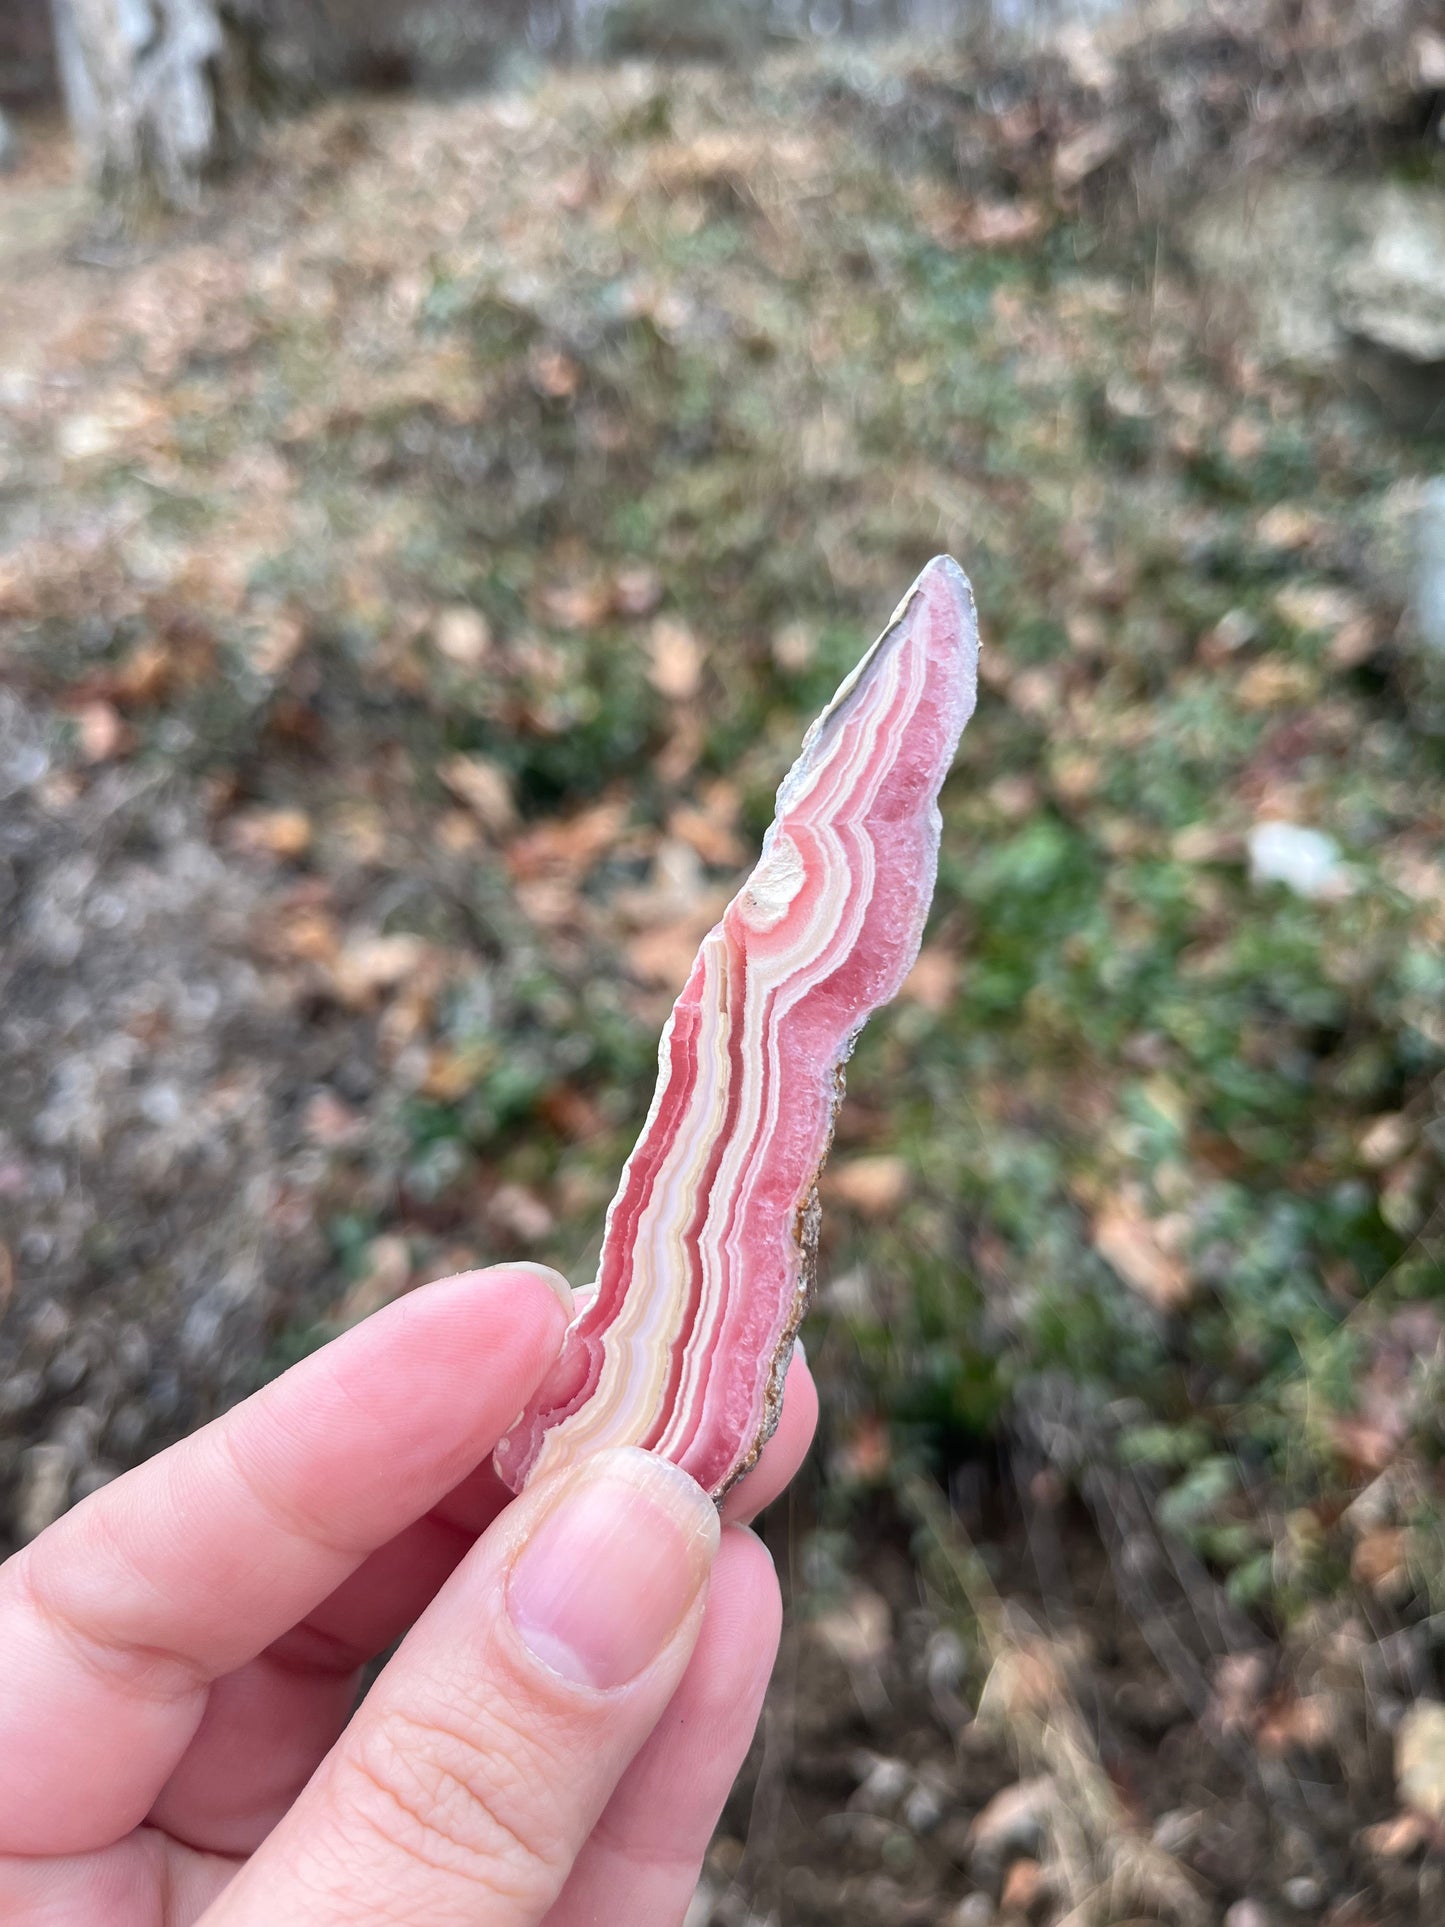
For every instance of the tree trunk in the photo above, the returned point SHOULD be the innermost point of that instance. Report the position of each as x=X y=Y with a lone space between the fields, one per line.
x=156 y=90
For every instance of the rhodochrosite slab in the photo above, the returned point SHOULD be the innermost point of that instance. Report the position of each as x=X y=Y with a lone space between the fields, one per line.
x=708 y=1253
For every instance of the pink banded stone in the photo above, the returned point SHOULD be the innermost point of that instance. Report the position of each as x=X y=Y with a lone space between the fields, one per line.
x=707 y=1259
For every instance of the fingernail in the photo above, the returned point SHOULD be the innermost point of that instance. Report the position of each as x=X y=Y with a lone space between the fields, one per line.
x=553 y=1280
x=610 y=1571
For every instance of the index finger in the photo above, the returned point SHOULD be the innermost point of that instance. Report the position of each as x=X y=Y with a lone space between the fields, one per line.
x=116 y=1620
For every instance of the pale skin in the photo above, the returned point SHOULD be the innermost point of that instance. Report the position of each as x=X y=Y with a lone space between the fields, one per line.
x=552 y=1742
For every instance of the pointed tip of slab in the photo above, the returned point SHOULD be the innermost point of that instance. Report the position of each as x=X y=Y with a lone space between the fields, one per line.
x=948 y=593
x=943 y=567
x=943 y=594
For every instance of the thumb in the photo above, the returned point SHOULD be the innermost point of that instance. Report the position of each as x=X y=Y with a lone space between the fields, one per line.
x=476 y=1767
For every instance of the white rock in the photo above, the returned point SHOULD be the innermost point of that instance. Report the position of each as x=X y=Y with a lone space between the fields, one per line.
x=1392 y=293
x=859 y=1630
x=1420 y=1759
x=1304 y=1894
x=1428 y=595
x=45 y=1475
x=882 y=1783
x=974 y=1911
x=1246 y=1913
x=1304 y=860
x=923 y=1809
x=1014 y=1820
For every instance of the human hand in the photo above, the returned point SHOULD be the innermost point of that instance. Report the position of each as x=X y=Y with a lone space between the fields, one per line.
x=553 y=1740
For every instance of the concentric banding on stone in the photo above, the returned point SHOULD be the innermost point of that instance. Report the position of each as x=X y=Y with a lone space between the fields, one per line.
x=707 y=1258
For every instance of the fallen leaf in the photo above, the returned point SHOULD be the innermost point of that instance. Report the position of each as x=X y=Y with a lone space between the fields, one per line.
x=1086 y=152
x=677 y=889
x=330 y=1122
x=457 y=833
x=1354 y=642
x=663 y=956
x=1380 y=1562
x=1023 y=1887
x=370 y=964
x=550 y=903
x=1320 y=608
x=678 y=756
x=933 y=980
x=871 y=1186
x=750 y=170
x=1206 y=843
x=304 y=933
x=359 y=831
x=554 y=374
x=1404 y=1195
x=270 y=651
x=452 y=1072
x=1290 y=526
x=866 y=1454
x=1014 y=796
x=1087 y=632
x=1128 y=1242
x=1366 y=1445
x=59 y=790
x=677 y=660
x=714 y=842
x=794 y=647
x=568 y=845
x=1003 y=224
x=571 y=1113
x=1076 y=777
x=1236 y=629
x=99 y=732
x=1396 y=1838
x=636 y=590
x=1304 y=1722
x=284 y=833
x=577 y=186
x=1272 y=682
x=1385 y=1140
x=1244 y=439
x=1035 y=693
x=485 y=788
x=463 y=635
x=520 y=1213
x=578 y=605
x=1237 y=1700
x=145 y=675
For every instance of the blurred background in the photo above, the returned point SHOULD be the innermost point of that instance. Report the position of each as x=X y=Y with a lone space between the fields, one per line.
x=447 y=453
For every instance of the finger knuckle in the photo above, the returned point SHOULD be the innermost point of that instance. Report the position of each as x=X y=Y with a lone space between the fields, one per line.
x=282 y=1507
x=475 y=1803
x=110 y=1653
